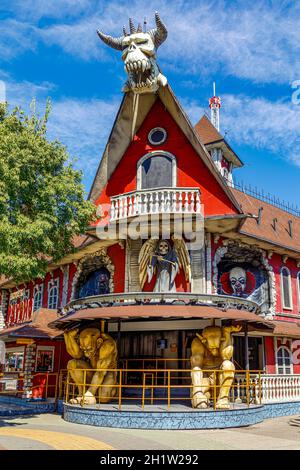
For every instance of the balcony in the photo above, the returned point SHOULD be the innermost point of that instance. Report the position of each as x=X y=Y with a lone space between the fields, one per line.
x=223 y=302
x=155 y=201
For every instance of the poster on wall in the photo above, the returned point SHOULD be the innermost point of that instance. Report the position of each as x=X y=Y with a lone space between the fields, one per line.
x=44 y=360
x=244 y=280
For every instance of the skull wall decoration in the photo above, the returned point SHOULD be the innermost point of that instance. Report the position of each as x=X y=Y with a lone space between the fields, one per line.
x=163 y=247
x=139 y=56
x=237 y=277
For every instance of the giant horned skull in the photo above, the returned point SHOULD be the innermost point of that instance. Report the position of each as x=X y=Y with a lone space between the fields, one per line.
x=139 y=55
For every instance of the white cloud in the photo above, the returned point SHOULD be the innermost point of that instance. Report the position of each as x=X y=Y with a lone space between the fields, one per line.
x=83 y=126
x=258 y=40
x=37 y=9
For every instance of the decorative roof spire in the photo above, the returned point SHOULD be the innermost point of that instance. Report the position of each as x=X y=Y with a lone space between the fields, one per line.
x=215 y=105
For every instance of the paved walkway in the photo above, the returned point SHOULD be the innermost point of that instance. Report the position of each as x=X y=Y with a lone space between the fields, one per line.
x=50 y=431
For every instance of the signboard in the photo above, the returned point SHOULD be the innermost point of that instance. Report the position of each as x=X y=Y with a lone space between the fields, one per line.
x=17 y=295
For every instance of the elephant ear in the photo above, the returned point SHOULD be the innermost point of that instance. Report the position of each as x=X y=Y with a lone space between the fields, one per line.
x=183 y=257
x=145 y=257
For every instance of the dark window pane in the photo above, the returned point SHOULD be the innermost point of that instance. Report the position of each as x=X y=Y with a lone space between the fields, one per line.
x=157 y=172
x=286 y=288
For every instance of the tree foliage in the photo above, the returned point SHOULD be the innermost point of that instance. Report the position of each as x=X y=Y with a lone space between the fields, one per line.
x=42 y=200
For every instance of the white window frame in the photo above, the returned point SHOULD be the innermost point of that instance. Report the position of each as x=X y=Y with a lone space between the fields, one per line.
x=298 y=289
x=38 y=289
x=290 y=288
x=53 y=284
x=161 y=129
x=152 y=154
x=283 y=366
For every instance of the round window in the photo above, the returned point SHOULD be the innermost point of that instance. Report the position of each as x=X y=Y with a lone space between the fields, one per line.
x=157 y=136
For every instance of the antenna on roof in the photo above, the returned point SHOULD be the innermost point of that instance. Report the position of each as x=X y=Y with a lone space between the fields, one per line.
x=215 y=105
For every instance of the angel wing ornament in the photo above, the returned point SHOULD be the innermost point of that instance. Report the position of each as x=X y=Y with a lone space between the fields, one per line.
x=158 y=256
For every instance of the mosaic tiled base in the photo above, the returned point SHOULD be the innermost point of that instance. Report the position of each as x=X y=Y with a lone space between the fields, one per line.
x=194 y=419
x=11 y=406
x=191 y=419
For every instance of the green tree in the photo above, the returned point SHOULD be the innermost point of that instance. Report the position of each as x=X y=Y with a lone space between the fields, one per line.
x=42 y=200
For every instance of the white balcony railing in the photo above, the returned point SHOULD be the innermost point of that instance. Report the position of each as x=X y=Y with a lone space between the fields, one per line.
x=268 y=388
x=280 y=388
x=156 y=201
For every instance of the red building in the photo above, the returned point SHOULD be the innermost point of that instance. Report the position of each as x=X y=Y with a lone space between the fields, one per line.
x=247 y=270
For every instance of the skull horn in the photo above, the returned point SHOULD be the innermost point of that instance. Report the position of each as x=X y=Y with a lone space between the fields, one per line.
x=115 y=43
x=160 y=33
x=139 y=29
x=131 y=26
x=124 y=31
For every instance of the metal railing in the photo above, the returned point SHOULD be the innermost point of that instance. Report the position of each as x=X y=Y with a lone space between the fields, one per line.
x=160 y=386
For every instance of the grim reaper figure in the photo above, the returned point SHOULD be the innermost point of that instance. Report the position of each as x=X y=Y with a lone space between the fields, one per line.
x=161 y=258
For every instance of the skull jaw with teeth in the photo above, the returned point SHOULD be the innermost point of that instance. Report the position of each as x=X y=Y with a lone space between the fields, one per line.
x=140 y=64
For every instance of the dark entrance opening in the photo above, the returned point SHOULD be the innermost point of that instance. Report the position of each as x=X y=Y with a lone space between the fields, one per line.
x=256 y=354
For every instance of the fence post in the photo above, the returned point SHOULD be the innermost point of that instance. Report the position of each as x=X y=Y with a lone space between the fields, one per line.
x=247 y=388
x=143 y=391
x=67 y=388
x=120 y=389
x=169 y=388
x=215 y=390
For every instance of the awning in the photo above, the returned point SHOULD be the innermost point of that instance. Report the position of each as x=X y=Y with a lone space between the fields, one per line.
x=133 y=312
x=37 y=328
x=286 y=328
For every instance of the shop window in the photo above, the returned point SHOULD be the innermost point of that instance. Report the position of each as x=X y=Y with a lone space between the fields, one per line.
x=44 y=359
x=38 y=297
x=286 y=289
x=14 y=360
x=284 y=362
x=53 y=293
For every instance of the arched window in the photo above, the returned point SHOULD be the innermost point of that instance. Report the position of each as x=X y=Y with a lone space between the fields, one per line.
x=53 y=294
x=286 y=289
x=38 y=297
x=156 y=170
x=284 y=362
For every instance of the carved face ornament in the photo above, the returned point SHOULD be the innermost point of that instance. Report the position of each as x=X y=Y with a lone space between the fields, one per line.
x=89 y=341
x=237 y=277
x=139 y=55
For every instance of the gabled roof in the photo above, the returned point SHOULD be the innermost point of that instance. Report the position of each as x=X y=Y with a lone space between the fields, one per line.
x=211 y=137
x=207 y=131
x=123 y=132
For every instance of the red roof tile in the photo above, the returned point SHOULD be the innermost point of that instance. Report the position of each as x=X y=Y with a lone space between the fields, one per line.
x=265 y=231
x=207 y=131
x=36 y=328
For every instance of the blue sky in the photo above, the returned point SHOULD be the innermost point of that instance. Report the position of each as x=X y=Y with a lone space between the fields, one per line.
x=49 y=48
